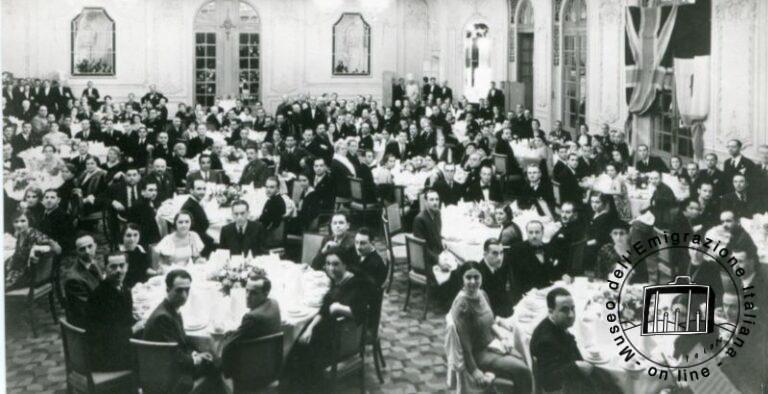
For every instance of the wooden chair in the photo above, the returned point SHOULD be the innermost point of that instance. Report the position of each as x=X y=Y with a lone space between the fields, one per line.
x=358 y=203
x=348 y=343
x=80 y=378
x=42 y=285
x=400 y=196
x=419 y=270
x=257 y=362
x=395 y=253
x=395 y=226
x=310 y=246
x=372 y=337
x=158 y=368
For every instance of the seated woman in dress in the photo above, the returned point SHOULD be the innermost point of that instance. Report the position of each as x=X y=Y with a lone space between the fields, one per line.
x=478 y=328
x=30 y=244
x=611 y=252
x=510 y=232
x=54 y=136
x=33 y=204
x=69 y=189
x=345 y=299
x=182 y=245
x=51 y=163
x=92 y=184
x=441 y=152
x=676 y=167
x=613 y=184
x=114 y=166
x=139 y=261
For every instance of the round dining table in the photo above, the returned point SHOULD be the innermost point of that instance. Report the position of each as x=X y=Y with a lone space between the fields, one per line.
x=210 y=313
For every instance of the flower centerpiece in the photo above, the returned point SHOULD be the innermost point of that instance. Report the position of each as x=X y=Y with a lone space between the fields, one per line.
x=21 y=178
x=236 y=275
x=227 y=196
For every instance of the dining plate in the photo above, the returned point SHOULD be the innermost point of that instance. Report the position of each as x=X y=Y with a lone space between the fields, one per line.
x=195 y=326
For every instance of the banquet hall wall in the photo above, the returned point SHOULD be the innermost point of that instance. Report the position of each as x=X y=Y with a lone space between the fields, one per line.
x=420 y=37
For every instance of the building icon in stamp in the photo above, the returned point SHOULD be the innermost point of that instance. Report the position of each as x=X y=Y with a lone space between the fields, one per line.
x=678 y=308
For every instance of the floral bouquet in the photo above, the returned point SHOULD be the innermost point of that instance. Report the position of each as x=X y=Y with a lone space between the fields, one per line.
x=227 y=196
x=233 y=155
x=236 y=275
x=21 y=178
x=632 y=304
x=483 y=211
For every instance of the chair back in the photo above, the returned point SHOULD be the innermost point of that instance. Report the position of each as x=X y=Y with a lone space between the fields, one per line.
x=158 y=368
x=43 y=270
x=75 y=349
x=310 y=246
x=556 y=190
x=400 y=195
x=257 y=362
x=276 y=237
x=501 y=162
x=394 y=220
x=356 y=189
x=416 y=253
x=349 y=339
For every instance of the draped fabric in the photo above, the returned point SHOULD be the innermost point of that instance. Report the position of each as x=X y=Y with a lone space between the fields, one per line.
x=648 y=36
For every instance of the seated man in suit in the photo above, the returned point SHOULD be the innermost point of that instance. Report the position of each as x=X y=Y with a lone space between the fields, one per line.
x=485 y=188
x=272 y=215
x=255 y=172
x=165 y=324
x=340 y=239
x=368 y=263
x=742 y=201
x=205 y=172
x=710 y=207
x=242 y=236
x=497 y=277
x=663 y=200
x=568 y=242
x=449 y=190
x=262 y=318
x=110 y=322
x=200 y=221
x=323 y=185
x=558 y=362
x=567 y=176
x=80 y=280
x=56 y=223
x=164 y=181
x=538 y=189
x=534 y=265
x=143 y=213
x=713 y=175
x=428 y=225
x=598 y=228
x=645 y=162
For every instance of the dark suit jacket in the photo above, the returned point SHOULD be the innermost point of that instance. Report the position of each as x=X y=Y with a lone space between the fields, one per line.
x=745 y=167
x=93 y=135
x=569 y=183
x=291 y=162
x=543 y=191
x=528 y=272
x=93 y=97
x=496 y=98
x=742 y=208
x=166 y=325
x=498 y=285
x=255 y=173
x=654 y=164
x=236 y=243
x=78 y=284
x=273 y=212
x=346 y=247
x=165 y=185
x=143 y=213
x=197 y=145
x=449 y=194
x=429 y=228
x=475 y=192
x=258 y=322
x=340 y=176
x=717 y=179
x=20 y=143
x=324 y=192
x=587 y=168
x=109 y=328
x=59 y=226
x=13 y=163
x=372 y=267
x=214 y=176
x=555 y=353
x=179 y=169
x=393 y=148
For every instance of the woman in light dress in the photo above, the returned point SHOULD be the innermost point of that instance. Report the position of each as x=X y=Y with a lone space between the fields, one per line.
x=182 y=245
x=612 y=183
x=55 y=137
x=51 y=163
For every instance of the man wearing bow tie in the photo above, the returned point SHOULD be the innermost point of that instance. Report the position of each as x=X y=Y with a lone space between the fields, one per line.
x=534 y=266
x=537 y=189
x=242 y=236
x=485 y=188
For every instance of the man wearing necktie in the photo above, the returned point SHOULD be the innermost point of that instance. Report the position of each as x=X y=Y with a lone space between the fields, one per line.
x=80 y=280
x=242 y=236
x=205 y=173
x=740 y=201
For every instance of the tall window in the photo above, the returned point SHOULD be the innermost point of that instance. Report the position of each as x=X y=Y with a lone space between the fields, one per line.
x=669 y=137
x=574 y=64
x=205 y=68
x=227 y=52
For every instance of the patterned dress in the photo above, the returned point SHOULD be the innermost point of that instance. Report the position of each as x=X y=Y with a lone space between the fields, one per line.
x=18 y=272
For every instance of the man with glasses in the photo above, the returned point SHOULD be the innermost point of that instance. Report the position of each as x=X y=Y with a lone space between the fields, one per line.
x=110 y=322
x=80 y=280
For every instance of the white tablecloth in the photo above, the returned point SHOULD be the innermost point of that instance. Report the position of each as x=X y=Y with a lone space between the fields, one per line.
x=588 y=330
x=209 y=313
